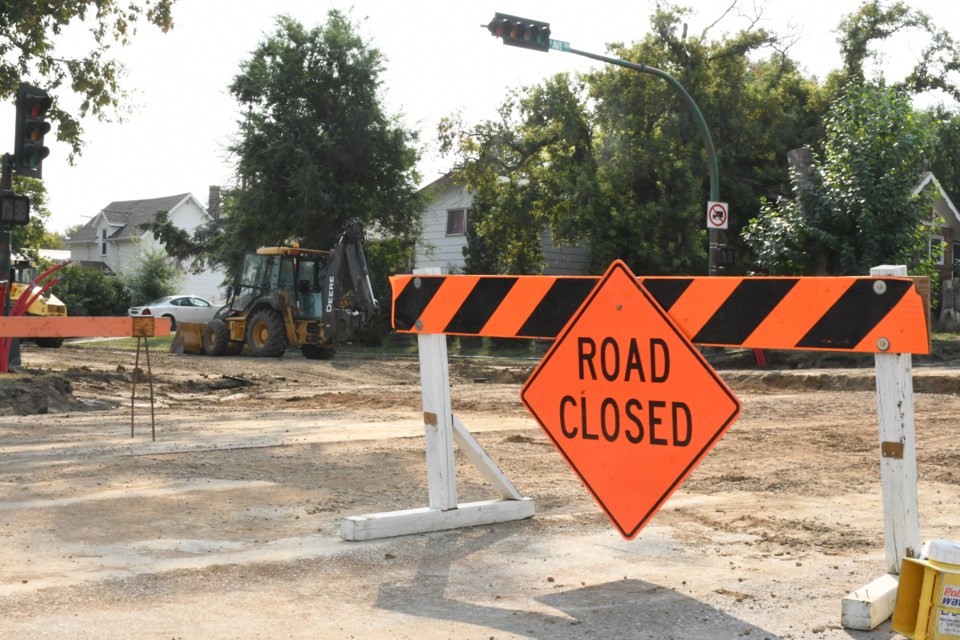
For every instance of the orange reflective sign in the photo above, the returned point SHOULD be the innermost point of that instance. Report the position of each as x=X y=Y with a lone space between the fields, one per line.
x=628 y=400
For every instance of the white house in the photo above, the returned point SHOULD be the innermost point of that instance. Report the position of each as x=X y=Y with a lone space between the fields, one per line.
x=445 y=228
x=113 y=239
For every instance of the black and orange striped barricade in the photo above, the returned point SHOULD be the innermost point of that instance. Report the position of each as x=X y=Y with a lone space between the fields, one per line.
x=886 y=313
x=850 y=314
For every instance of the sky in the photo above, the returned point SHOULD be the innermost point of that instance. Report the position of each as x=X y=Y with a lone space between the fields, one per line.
x=438 y=62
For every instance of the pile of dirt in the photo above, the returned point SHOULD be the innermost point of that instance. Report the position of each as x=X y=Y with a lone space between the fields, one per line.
x=31 y=394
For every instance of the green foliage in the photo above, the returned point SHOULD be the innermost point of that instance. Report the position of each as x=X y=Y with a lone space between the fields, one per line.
x=530 y=170
x=875 y=22
x=315 y=147
x=617 y=160
x=384 y=258
x=653 y=165
x=88 y=291
x=153 y=276
x=857 y=210
x=314 y=150
x=29 y=31
x=946 y=154
x=28 y=239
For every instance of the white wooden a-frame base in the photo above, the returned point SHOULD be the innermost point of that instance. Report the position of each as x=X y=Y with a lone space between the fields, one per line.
x=441 y=430
x=870 y=605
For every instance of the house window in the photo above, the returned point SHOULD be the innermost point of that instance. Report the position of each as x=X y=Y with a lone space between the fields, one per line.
x=103 y=242
x=938 y=249
x=456 y=222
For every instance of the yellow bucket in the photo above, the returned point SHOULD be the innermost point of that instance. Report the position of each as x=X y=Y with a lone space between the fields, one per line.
x=928 y=596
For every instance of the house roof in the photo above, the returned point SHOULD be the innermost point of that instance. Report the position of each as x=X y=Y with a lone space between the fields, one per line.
x=440 y=182
x=926 y=179
x=126 y=216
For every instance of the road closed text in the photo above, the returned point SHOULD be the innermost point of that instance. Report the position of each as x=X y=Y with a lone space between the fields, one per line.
x=658 y=421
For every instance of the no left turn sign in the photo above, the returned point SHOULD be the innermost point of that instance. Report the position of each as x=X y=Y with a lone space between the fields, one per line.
x=717 y=215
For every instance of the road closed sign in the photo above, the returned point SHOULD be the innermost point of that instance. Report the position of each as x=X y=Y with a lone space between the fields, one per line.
x=628 y=400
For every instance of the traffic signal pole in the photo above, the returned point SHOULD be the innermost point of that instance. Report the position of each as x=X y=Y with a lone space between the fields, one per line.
x=27 y=160
x=534 y=34
x=6 y=270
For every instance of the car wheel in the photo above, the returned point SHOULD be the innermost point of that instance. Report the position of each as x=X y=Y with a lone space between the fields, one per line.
x=265 y=335
x=173 y=321
x=216 y=338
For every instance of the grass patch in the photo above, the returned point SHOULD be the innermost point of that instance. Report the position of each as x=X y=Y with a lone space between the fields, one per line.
x=123 y=344
x=395 y=344
x=945 y=337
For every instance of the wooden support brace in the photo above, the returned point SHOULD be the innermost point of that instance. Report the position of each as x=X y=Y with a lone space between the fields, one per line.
x=867 y=607
x=441 y=430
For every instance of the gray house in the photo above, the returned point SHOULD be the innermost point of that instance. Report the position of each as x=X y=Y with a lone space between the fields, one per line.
x=113 y=240
x=445 y=233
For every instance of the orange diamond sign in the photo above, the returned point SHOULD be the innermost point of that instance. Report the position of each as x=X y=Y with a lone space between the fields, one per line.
x=628 y=400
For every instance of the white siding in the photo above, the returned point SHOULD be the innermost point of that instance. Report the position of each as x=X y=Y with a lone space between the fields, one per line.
x=564 y=261
x=437 y=249
x=124 y=254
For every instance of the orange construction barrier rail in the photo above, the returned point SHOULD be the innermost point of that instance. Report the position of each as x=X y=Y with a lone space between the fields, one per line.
x=852 y=314
x=82 y=327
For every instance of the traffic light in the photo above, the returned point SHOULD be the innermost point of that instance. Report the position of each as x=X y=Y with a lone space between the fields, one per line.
x=520 y=32
x=28 y=149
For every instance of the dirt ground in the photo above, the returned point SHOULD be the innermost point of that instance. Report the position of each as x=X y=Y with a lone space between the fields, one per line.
x=227 y=525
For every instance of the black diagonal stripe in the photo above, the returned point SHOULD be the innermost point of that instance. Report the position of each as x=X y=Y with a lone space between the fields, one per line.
x=854 y=315
x=666 y=291
x=743 y=311
x=411 y=302
x=557 y=307
x=483 y=300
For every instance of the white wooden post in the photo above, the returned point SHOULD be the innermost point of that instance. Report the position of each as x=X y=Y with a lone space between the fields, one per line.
x=438 y=422
x=441 y=428
x=867 y=607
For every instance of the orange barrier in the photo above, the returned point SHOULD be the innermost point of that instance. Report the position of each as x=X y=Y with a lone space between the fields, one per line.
x=853 y=314
x=82 y=327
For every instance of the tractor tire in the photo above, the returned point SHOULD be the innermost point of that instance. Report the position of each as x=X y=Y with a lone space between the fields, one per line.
x=216 y=338
x=314 y=352
x=266 y=337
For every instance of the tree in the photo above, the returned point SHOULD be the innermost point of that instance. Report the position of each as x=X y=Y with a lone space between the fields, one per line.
x=617 y=160
x=28 y=239
x=315 y=148
x=28 y=34
x=653 y=166
x=857 y=209
x=153 y=276
x=876 y=22
x=531 y=170
x=88 y=291
x=946 y=159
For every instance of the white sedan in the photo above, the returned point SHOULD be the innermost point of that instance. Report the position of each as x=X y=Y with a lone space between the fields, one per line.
x=181 y=308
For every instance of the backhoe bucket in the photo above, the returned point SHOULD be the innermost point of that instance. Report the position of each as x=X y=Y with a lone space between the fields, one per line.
x=189 y=338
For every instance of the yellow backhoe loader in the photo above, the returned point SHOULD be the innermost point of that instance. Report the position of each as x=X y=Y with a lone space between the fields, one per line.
x=289 y=297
